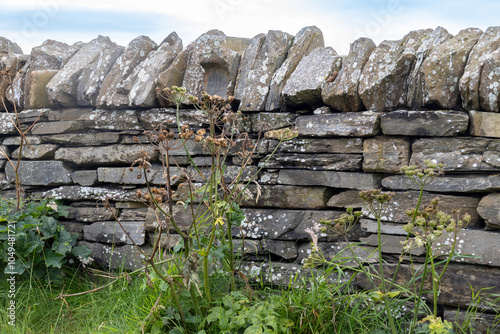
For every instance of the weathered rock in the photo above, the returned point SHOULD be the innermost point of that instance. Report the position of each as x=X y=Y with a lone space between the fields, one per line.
x=385 y=154
x=112 y=92
x=71 y=114
x=287 y=250
x=213 y=64
x=253 y=81
x=339 y=162
x=152 y=118
x=383 y=84
x=353 y=124
x=342 y=94
x=38 y=97
x=133 y=214
x=45 y=128
x=265 y=121
x=79 y=193
x=83 y=139
x=489 y=210
x=442 y=69
x=333 y=145
x=78 y=82
x=439 y=123
x=403 y=201
x=346 y=199
x=247 y=63
x=89 y=214
x=84 y=177
x=143 y=88
x=10 y=64
x=126 y=257
x=458 y=154
x=172 y=76
x=329 y=178
x=415 y=79
x=289 y=197
x=476 y=76
x=103 y=155
x=15 y=141
x=116 y=120
x=4 y=154
x=112 y=233
x=447 y=183
x=305 y=83
x=338 y=252
x=43 y=151
x=40 y=173
x=391 y=244
x=123 y=175
x=484 y=124
x=489 y=88
x=8 y=46
x=6 y=125
x=247 y=246
x=481 y=322
x=306 y=40
x=371 y=226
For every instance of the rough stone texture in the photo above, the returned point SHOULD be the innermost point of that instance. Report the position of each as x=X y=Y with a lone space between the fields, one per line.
x=89 y=214
x=10 y=64
x=339 y=162
x=290 y=197
x=329 y=178
x=124 y=176
x=481 y=322
x=43 y=151
x=305 y=83
x=415 y=79
x=489 y=210
x=40 y=173
x=333 y=145
x=352 y=124
x=116 y=120
x=213 y=64
x=391 y=244
x=172 y=76
x=79 y=193
x=403 y=201
x=342 y=94
x=112 y=92
x=337 y=252
x=484 y=124
x=385 y=154
x=258 y=67
x=152 y=118
x=112 y=233
x=447 y=183
x=7 y=46
x=458 y=154
x=83 y=139
x=84 y=177
x=479 y=87
x=38 y=97
x=439 y=123
x=265 y=121
x=371 y=226
x=306 y=40
x=287 y=250
x=346 y=199
x=103 y=155
x=126 y=257
x=383 y=84
x=78 y=82
x=45 y=128
x=141 y=84
x=6 y=125
x=442 y=69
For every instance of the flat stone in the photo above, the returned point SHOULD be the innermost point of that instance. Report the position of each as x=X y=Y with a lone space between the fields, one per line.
x=47 y=128
x=458 y=154
x=306 y=40
x=42 y=151
x=391 y=244
x=489 y=210
x=79 y=193
x=123 y=175
x=74 y=228
x=305 y=83
x=383 y=84
x=342 y=93
x=403 y=201
x=337 y=252
x=152 y=118
x=438 y=123
x=126 y=257
x=322 y=145
x=290 y=197
x=103 y=155
x=167 y=240
x=477 y=85
x=385 y=154
x=265 y=121
x=371 y=226
x=38 y=97
x=339 y=162
x=349 y=124
x=448 y=184
x=89 y=214
x=84 y=177
x=481 y=322
x=133 y=214
x=330 y=179
x=287 y=250
x=83 y=139
x=112 y=233
x=116 y=120
x=257 y=68
x=484 y=124
x=15 y=141
x=68 y=114
x=40 y=173
x=346 y=199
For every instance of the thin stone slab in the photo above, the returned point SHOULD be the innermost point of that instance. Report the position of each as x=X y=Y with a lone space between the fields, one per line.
x=103 y=155
x=89 y=214
x=48 y=128
x=126 y=257
x=84 y=177
x=322 y=145
x=332 y=179
x=265 y=121
x=167 y=117
x=111 y=232
x=40 y=173
x=39 y=152
x=338 y=162
x=484 y=124
x=289 y=197
x=349 y=124
x=287 y=250
x=447 y=183
x=438 y=123
x=116 y=120
x=385 y=154
x=80 y=193
x=123 y=175
x=83 y=139
x=346 y=199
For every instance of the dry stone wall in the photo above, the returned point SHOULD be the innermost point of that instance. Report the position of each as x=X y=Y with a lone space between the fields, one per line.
x=360 y=118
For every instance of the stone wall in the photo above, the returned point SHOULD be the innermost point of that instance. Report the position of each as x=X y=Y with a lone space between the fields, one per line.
x=360 y=118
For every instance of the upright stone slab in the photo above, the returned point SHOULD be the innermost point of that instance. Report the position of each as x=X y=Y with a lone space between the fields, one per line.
x=489 y=210
x=252 y=85
x=484 y=124
x=113 y=94
x=438 y=123
x=477 y=76
x=342 y=94
x=383 y=84
x=305 y=83
x=352 y=124
x=489 y=87
x=247 y=63
x=172 y=76
x=78 y=82
x=306 y=40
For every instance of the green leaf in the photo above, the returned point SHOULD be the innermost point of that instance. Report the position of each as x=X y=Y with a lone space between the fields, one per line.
x=81 y=252
x=49 y=227
x=16 y=267
x=53 y=259
x=64 y=243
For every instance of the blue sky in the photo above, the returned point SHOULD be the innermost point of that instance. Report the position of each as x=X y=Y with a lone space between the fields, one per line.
x=30 y=22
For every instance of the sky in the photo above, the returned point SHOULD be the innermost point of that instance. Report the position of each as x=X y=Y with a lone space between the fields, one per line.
x=30 y=22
